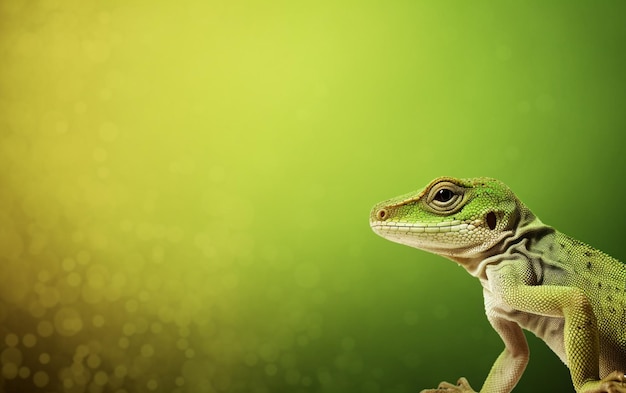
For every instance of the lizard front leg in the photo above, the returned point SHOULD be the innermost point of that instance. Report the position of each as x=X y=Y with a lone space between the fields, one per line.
x=508 y=367
x=580 y=331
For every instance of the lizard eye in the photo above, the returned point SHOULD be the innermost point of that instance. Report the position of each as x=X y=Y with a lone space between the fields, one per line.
x=445 y=197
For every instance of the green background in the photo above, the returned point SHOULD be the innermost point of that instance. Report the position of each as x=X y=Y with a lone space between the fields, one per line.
x=185 y=186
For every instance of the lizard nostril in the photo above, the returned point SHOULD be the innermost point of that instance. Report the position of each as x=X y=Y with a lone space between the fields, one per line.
x=381 y=214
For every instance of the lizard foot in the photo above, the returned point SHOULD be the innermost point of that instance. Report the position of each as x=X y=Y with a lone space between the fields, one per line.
x=462 y=386
x=615 y=382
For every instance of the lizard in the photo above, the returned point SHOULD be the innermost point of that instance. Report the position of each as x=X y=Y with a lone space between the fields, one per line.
x=533 y=277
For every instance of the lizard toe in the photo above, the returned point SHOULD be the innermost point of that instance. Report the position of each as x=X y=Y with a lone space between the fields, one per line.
x=615 y=382
x=462 y=386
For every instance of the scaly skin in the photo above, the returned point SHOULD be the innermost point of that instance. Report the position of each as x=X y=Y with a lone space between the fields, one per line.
x=569 y=294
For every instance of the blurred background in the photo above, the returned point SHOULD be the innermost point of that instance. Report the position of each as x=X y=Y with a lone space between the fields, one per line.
x=185 y=186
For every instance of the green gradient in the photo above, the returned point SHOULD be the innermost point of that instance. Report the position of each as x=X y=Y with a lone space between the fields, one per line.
x=185 y=187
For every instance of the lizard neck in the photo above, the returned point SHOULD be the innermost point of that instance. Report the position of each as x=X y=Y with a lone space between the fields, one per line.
x=526 y=229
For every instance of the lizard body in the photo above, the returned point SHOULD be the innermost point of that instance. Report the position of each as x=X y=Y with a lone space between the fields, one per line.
x=534 y=277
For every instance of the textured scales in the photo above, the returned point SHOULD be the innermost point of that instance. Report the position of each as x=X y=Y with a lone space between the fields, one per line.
x=567 y=293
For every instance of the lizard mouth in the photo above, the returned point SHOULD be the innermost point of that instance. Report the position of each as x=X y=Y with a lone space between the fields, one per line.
x=452 y=239
x=398 y=227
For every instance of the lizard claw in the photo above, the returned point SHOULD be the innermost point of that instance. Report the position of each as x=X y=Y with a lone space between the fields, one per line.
x=615 y=382
x=462 y=386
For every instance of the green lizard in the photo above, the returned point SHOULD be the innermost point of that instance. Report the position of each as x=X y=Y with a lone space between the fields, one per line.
x=533 y=277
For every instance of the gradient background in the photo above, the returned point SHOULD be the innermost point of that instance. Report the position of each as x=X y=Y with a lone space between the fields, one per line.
x=185 y=188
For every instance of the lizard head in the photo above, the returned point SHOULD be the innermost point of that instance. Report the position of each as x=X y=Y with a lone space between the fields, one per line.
x=462 y=219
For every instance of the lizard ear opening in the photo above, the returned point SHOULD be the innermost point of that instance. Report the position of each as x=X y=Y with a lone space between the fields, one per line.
x=491 y=220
